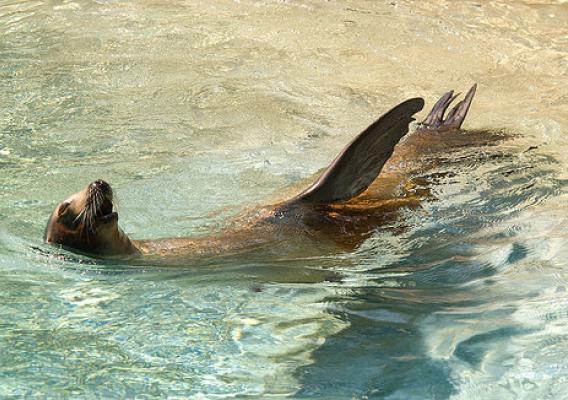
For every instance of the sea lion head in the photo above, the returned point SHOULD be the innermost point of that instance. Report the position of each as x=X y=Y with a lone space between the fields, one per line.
x=86 y=222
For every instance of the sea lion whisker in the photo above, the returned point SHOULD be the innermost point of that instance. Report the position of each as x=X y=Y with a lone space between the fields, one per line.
x=96 y=203
x=79 y=216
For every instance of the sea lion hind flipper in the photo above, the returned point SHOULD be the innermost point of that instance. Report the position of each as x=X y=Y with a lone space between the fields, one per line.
x=361 y=161
x=456 y=116
x=436 y=116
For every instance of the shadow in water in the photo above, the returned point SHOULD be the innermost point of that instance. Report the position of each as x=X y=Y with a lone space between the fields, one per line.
x=384 y=352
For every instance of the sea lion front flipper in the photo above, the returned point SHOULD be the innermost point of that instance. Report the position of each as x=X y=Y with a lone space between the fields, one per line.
x=361 y=161
x=456 y=116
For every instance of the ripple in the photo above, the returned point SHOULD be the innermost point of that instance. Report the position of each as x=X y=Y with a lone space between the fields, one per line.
x=197 y=111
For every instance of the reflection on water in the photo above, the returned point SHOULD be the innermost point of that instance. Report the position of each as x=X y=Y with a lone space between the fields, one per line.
x=197 y=111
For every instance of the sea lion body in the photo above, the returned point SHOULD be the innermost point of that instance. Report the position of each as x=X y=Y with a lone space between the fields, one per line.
x=340 y=210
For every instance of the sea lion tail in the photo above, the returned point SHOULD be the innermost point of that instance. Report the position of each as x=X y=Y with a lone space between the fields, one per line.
x=361 y=161
x=456 y=116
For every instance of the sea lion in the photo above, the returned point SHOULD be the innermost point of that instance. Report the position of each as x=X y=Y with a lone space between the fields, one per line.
x=339 y=210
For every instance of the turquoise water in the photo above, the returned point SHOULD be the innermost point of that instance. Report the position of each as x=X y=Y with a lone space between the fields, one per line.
x=196 y=112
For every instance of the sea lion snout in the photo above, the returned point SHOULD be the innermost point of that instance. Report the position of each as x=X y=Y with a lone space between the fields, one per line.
x=100 y=200
x=100 y=188
x=101 y=185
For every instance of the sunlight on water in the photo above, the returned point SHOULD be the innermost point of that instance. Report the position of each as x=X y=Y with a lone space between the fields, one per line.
x=195 y=111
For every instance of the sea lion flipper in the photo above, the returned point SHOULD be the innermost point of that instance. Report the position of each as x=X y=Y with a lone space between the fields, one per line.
x=456 y=116
x=436 y=116
x=361 y=161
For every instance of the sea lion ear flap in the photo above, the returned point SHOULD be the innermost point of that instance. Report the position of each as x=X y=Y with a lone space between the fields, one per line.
x=361 y=161
x=61 y=209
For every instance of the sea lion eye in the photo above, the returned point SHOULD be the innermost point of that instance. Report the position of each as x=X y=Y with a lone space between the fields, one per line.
x=63 y=207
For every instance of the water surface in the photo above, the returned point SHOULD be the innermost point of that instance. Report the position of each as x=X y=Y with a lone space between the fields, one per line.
x=195 y=111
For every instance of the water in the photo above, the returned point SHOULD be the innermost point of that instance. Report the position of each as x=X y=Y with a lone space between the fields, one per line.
x=197 y=111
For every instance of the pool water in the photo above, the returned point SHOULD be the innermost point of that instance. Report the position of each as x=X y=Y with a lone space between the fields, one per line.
x=196 y=111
